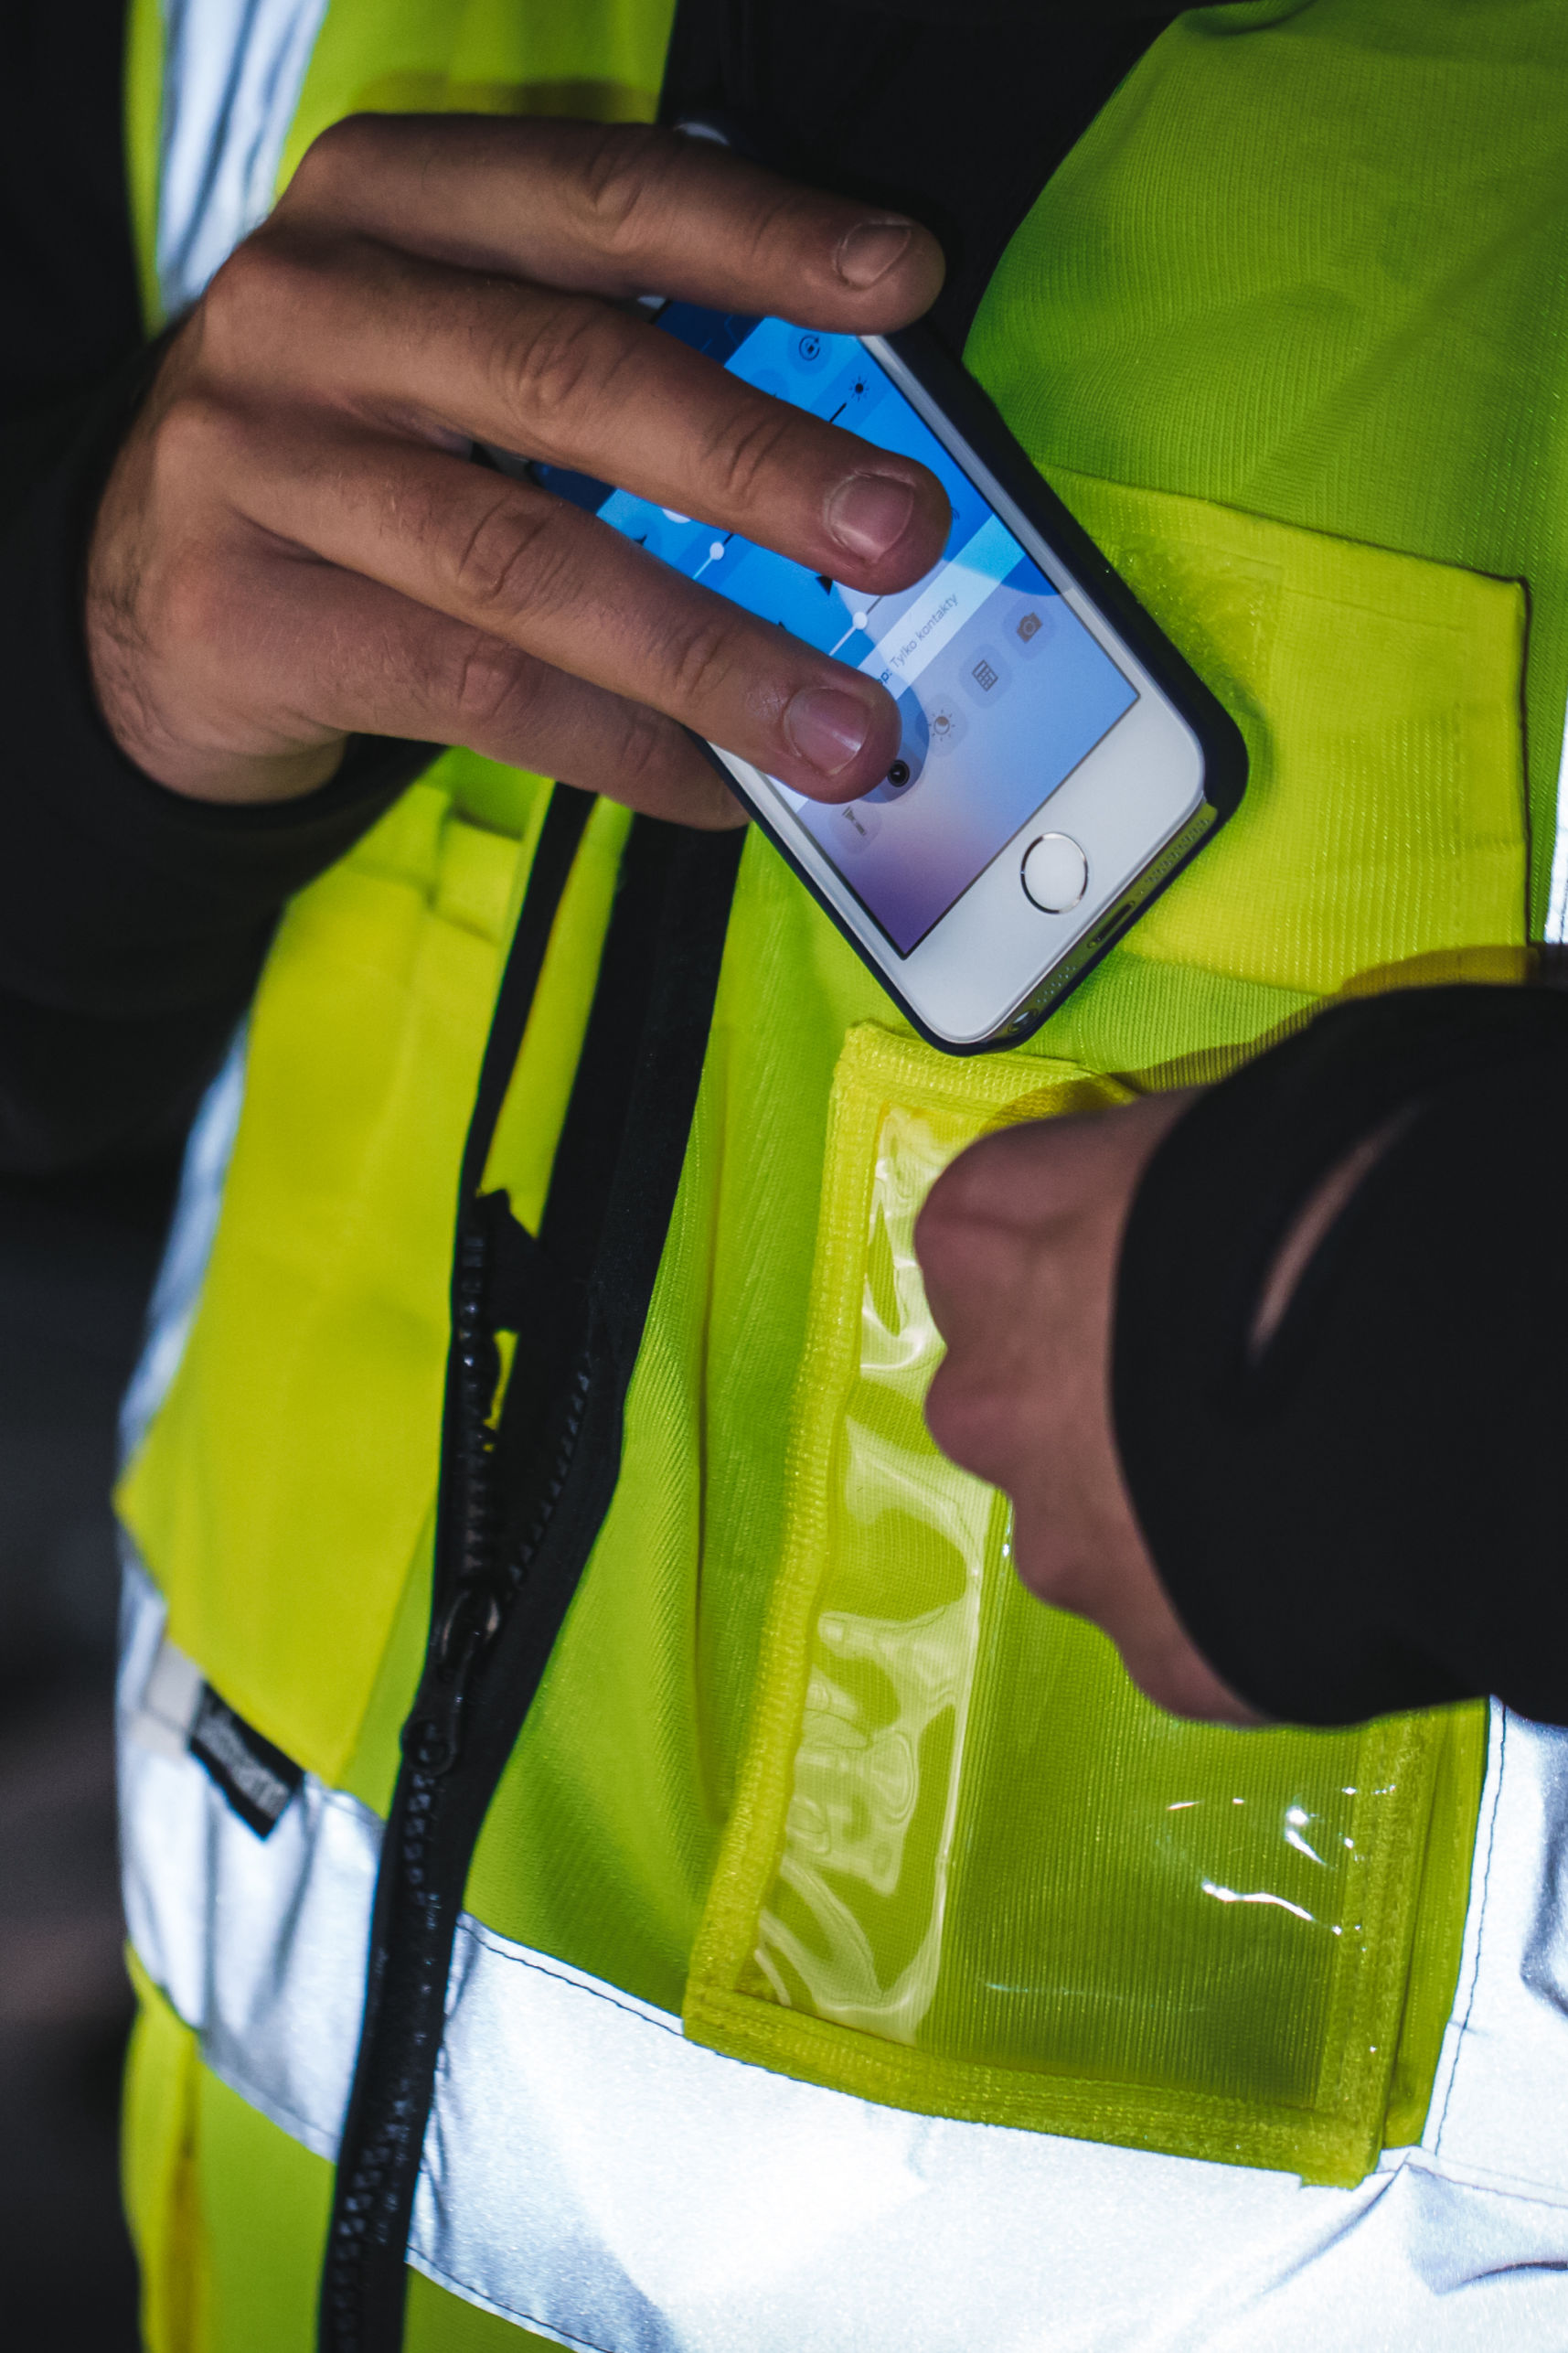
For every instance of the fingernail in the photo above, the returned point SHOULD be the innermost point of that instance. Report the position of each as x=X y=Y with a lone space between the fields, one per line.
x=870 y=513
x=869 y=252
x=825 y=728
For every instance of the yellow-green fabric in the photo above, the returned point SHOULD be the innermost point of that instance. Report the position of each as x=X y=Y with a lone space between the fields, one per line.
x=144 y=123
x=599 y=58
x=332 y=1266
x=1314 y=271
x=602 y=58
x=1374 y=653
x=158 y=2135
x=230 y=2215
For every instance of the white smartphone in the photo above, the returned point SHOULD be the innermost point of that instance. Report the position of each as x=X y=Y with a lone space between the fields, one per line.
x=1058 y=761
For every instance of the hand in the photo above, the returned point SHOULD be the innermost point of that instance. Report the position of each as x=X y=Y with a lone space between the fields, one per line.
x=293 y=546
x=1020 y=1241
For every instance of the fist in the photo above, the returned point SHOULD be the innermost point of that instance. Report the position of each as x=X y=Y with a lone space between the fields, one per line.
x=1018 y=1242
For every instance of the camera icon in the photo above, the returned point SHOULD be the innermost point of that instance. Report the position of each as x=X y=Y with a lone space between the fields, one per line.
x=1032 y=626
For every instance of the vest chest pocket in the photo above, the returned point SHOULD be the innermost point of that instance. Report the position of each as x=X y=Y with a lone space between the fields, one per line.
x=1381 y=698
x=970 y=1871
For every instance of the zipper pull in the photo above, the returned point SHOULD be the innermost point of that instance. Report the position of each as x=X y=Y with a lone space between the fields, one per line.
x=433 y=1735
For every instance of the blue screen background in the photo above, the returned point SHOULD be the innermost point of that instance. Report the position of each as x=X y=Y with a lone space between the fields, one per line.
x=1001 y=690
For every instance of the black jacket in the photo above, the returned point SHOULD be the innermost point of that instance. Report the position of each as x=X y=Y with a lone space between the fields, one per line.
x=1366 y=1518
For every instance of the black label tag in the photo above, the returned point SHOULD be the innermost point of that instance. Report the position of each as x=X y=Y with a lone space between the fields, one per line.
x=257 y=1779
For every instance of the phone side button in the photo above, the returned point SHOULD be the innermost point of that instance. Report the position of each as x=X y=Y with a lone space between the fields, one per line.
x=1054 y=873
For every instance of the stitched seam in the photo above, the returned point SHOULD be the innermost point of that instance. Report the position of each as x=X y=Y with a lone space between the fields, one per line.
x=1514 y=2189
x=1480 y=1941
x=266 y=2104
x=450 y=2279
x=484 y=1937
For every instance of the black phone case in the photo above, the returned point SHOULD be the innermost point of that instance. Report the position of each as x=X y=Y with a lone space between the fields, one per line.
x=980 y=428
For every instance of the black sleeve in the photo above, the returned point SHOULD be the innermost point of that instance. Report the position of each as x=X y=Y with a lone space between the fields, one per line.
x=1367 y=1515
x=133 y=922
x=956 y=111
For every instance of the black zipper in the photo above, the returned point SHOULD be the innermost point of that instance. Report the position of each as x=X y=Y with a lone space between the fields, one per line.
x=522 y=1503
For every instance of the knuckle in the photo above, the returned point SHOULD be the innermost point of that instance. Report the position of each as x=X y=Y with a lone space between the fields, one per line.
x=1041 y=1570
x=555 y=372
x=190 y=599
x=248 y=272
x=626 y=177
x=970 y=1264
x=746 y=450
x=950 y=1413
x=483 y=686
x=973 y=1423
x=783 y=225
x=177 y=449
x=946 y=1218
x=338 y=157
x=972 y=1189
x=507 y=564
x=639 y=179
x=647 y=754
x=198 y=438
x=258 y=297
x=701 y=660
x=226 y=307
x=172 y=576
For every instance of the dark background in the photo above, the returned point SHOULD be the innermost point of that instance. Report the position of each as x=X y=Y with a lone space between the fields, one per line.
x=76 y=1262
x=76 y=1259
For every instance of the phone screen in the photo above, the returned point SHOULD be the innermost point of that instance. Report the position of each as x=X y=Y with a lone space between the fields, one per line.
x=1001 y=688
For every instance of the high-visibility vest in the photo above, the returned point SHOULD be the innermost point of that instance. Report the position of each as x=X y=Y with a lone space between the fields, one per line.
x=849 y=1956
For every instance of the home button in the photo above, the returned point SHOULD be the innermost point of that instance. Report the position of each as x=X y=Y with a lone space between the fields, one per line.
x=1054 y=873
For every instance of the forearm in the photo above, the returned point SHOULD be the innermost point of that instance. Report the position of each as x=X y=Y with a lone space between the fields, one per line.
x=1358 y=1510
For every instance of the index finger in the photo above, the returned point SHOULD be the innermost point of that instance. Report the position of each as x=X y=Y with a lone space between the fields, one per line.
x=619 y=209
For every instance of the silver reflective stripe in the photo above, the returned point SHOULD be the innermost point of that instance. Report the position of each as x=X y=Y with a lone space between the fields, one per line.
x=592 y=2176
x=208 y=1150
x=232 y=74
x=259 y=1943
x=1499 y=2103
x=1556 y=929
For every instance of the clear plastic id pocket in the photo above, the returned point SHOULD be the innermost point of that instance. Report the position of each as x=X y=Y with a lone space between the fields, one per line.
x=970 y=1870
